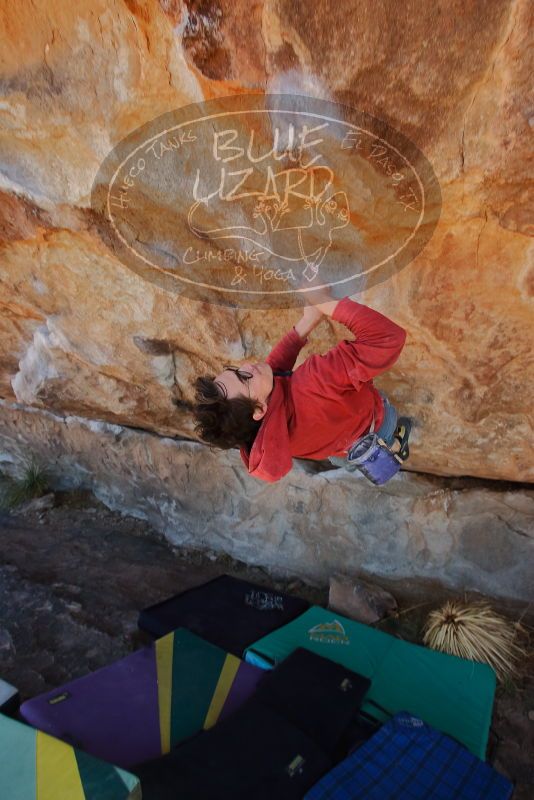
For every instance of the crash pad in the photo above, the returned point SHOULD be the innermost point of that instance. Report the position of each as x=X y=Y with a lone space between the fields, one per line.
x=409 y=760
x=227 y=611
x=254 y=754
x=315 y=694
x=9 y=698
x=36 y=766
x=140 y=706
x=452 y=694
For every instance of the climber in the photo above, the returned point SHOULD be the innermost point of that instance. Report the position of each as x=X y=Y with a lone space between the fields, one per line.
x=321 y=410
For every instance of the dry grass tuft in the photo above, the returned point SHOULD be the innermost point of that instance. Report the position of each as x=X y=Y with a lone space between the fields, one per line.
x=474 y=631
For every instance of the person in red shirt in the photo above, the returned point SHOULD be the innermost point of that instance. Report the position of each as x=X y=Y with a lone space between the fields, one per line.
x=274 y=414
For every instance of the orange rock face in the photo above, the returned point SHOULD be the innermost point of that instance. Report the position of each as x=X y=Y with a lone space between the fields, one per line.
x=82 y=334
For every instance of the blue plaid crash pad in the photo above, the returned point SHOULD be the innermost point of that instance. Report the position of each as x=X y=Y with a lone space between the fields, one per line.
x=409 y=760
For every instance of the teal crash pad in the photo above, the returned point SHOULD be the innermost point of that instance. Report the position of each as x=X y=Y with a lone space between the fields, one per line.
x=36 y=766
x=452 y=694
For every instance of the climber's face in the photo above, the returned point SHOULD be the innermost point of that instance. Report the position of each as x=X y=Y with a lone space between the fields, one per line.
x=258 y=386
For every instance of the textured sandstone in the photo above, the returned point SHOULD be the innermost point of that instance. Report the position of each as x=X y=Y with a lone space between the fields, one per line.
x=311 y=523
x=81 y=334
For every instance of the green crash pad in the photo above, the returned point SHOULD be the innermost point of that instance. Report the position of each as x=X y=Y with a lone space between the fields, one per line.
x=36 y=766
x=452 y=694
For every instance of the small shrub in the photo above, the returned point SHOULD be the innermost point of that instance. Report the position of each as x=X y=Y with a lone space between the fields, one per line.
x=474 y=631
x=34 y=483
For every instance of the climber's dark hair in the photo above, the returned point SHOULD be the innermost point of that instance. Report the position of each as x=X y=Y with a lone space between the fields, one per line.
x=220 y=421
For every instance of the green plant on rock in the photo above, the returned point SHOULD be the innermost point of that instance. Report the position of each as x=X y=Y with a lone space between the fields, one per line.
x=34 y=483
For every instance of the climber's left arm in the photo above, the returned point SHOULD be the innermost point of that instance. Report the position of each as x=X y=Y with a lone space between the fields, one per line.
x=284 y=354
x=311 y=317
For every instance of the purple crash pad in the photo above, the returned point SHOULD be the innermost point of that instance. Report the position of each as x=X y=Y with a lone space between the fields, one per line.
x=137 y=708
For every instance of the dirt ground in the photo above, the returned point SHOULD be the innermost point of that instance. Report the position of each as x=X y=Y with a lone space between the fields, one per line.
x=73 y=579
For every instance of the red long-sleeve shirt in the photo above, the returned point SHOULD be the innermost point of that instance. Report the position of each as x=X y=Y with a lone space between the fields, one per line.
x=329 y=400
